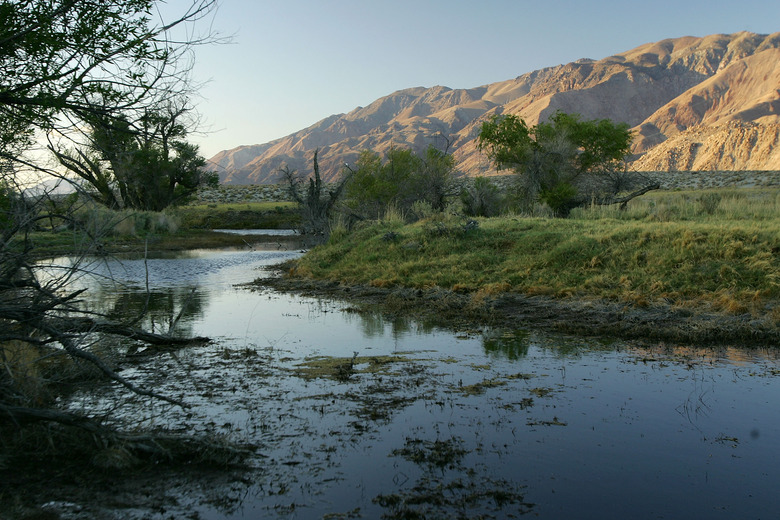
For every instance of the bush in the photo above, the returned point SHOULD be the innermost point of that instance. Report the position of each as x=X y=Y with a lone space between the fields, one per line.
x=403 y=179
x=103 y=221
x=482 y=199
x=561 y=198
x=709 y=202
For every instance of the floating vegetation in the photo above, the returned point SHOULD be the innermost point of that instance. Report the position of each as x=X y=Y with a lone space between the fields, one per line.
x=541 y=391
x=342 y=368
x=439 y=453
x=479 y=388
x=435 y=496
x=554 y=422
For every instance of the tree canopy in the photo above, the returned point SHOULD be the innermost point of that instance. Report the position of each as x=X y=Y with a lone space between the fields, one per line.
x=65 y=61
x=403 y=178
x=147 y=168
x=559 y=159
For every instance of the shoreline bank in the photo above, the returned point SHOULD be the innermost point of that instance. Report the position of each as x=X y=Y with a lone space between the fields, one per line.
x=590 y=317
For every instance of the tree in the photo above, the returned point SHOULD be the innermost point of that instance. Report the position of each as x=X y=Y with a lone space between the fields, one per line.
x=65 y=64
x=316 y=202
x=403 y=179
x=564 y=162
x=148 y=168
x=64 y=60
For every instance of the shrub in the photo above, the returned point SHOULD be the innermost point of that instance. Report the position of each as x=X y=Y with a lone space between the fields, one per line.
x=709 y=202
x=482 y=199
x=402 y=179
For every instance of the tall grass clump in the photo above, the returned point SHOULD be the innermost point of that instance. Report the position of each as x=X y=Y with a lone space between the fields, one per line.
x=99 y=220
x=701 y=205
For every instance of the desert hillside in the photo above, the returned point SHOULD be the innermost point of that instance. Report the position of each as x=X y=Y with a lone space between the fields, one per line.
x=710 y=103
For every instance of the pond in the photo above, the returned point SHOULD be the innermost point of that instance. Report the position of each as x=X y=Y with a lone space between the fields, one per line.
x=352 y=415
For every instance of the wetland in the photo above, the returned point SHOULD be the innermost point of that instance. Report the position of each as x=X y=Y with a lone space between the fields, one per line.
x=348 y=411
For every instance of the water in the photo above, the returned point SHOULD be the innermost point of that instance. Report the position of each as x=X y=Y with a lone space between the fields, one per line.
x=490 y=422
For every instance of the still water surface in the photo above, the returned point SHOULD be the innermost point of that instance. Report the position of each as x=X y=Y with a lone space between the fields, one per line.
x=491 y=422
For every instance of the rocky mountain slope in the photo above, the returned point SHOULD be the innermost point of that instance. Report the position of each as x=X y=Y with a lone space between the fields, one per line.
x=710 y=103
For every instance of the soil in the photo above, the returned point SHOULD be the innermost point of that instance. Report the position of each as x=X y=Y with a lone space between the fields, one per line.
x=590 y=317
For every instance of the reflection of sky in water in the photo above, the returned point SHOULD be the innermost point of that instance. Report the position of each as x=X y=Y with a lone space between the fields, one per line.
x=261 y=232
x=594 y=429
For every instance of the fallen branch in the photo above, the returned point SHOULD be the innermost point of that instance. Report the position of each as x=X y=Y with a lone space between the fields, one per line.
x=623 y=201
x=87 y=325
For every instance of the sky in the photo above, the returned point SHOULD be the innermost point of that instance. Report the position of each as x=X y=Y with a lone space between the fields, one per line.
x=292 y=63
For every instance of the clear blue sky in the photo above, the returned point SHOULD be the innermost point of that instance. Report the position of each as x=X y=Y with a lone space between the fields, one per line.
x=294 y=62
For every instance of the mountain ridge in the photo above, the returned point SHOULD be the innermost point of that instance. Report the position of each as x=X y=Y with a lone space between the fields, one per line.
x=669 y=92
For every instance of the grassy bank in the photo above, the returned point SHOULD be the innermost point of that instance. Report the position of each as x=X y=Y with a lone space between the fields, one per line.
x=718 y=250
x=95 y=229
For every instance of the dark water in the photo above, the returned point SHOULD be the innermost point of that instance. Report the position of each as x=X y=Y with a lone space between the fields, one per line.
x=484 y=422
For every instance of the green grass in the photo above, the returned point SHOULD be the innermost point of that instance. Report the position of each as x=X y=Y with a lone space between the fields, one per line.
x=103 y=230
x=725 y=257
x=247 y=215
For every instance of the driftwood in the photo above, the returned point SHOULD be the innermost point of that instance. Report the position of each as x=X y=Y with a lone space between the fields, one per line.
x=87 y=325
x=23 y=415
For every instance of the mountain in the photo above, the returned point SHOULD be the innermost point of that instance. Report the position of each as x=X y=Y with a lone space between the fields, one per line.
x=710 y=103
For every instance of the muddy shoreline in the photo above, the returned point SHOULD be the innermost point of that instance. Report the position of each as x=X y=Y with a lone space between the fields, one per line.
x=658 y=322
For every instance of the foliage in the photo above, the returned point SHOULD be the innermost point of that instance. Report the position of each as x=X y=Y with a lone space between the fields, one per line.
x=563 y=162
x=482 y=199
x=401 y=180
x=147 y=168
x=6 y=205
x=316 y=203
x=248 y=215
x=63 y=60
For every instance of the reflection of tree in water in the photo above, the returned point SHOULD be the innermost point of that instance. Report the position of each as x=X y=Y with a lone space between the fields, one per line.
x=511 y=344
x=159 y=309
x=373 y=325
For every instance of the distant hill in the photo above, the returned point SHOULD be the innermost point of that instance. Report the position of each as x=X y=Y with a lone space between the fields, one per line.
x=710 y=103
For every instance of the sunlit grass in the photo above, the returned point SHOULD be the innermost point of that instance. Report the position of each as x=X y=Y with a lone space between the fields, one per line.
x=676 y=248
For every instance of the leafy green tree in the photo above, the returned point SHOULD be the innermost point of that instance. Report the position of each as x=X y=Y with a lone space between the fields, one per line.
x=64 y=60
x=401 y=180
x=562 y=162
x=149 y=167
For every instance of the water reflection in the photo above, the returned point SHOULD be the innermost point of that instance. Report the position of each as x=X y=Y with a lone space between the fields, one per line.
x=581 y=428
x=376 y=325
x=511 y=344
x=164 y=311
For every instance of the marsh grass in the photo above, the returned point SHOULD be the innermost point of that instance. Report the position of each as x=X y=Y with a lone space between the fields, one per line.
x=698 y=205
x=101 y=221
x=722 y=253
x=247 y=215
x=342 y=369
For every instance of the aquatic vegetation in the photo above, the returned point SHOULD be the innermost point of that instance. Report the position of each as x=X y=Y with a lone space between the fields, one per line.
x=342 y=369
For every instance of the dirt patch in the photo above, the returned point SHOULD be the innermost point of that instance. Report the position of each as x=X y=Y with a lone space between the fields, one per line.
x=513 y=311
